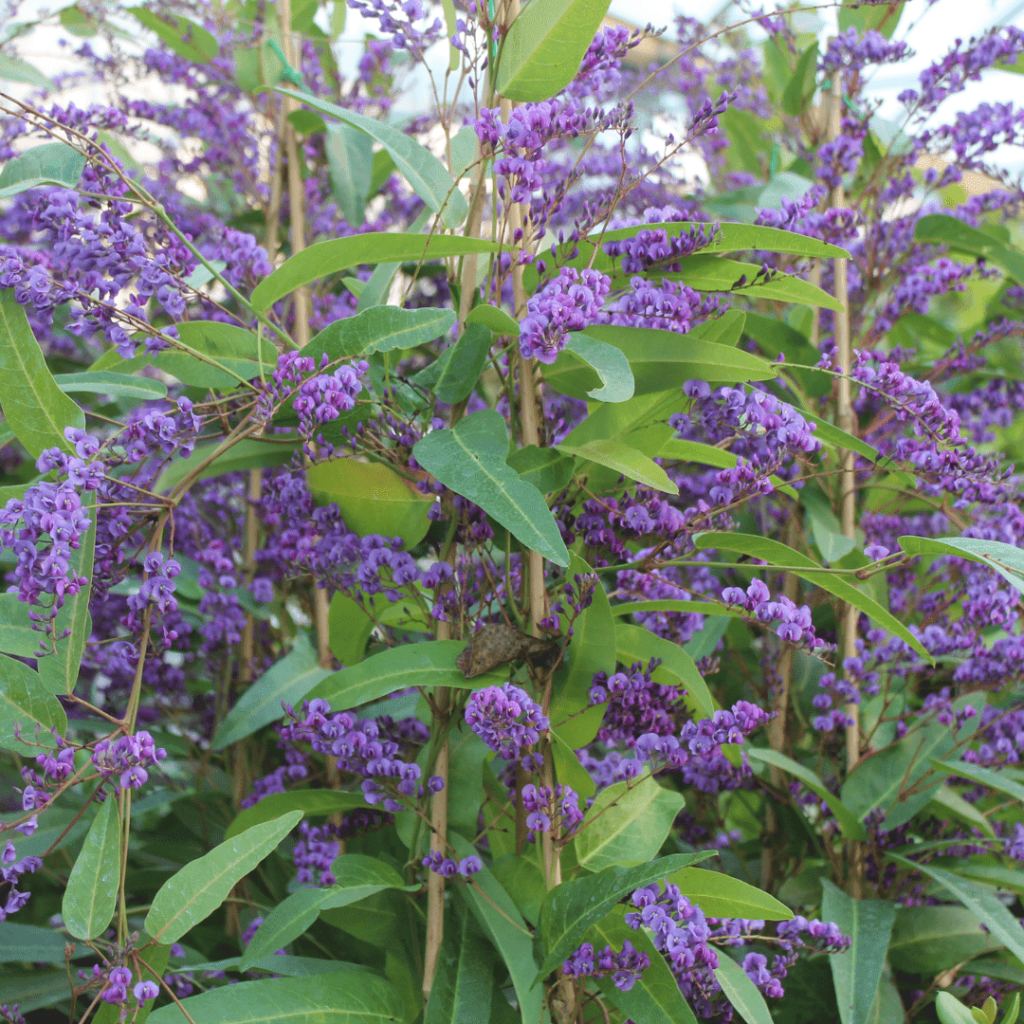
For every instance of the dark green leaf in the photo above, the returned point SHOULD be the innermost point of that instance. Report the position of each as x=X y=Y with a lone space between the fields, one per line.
x=26 y=942
x=425 y=174
x=249 y=453
x=857 y=972
x=34 y=407
x=199 y=888
x=91 y=893
x=349 y=628
x=625 y=460
x=17 y=636
x=927 y=940
x=288 y=681
x=52 y=163
x=584 y=364
x=1006 y=559
x=610 y=421
x=464 y=982
x=26 y=703
x=350 y=165
x=461 y=365
x=31 y=990
x=940 y=229
x=544 y=46
x=470 y=459
x=312 y=802
x=545 y=468
x=741 y=991
x=983 y=776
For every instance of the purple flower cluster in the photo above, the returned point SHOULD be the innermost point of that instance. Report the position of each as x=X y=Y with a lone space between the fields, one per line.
x=626 y=967
x=851 y=51
x=435 y=861
x=11 y=870
x=570 y=302
x=127 y=758
x=547 y=810
x=505 y=718
x=795 y=626
x=636 y=704
x=116 y=991
x=654 y=246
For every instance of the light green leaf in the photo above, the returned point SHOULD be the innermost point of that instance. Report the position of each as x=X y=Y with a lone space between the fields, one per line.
x=802 y=85
x=250 y=453
x=849 y=824
x=677 y=668
x=345 y=997
x=470 y=459
x=287 y=681
x=947 y=803
x=226 y=342
x=464 y=982
x=857 y=972
x=33 y=406
x=720 y=895
x=940 y=229
x=199 y=888
x=828 y=531
x=350 y=166
x=91 y=894
x=323 y=259
x=831 y=434
x=545 y=468
x=980 y=901
x=571 y=908
x=627 y=824
x=671 y=605
x=16 y=633
x=425 y=174
x=312 y=802
x=584 y=364
x=494 y=318
x=372 y=498
x=951 y=1010
x=26 y=702
x=864 y=17
x=184 y=37
x=568 y=769
x=357 y=876
x=431 y=663
x=741 y=991
x=544 y=46
x=102 y=383
x=776 y=553
x=349 y=628
x=52 y=163
x=620 y=457
x=664 y=359
x=13 y=69
x=380 y=329
x=617 y=420
x=1006 y=559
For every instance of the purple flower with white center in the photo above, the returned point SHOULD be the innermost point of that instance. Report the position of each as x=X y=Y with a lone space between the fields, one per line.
x=127 y=758
x=116 y=992
x=505 y=718
x=144 y=990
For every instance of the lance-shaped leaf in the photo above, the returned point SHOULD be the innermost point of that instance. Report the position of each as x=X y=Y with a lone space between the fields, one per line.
x=312 y=802
x=741 y=991
x=380 y=329
x=287 y=681
x=350 y=166
x=13 y=69
x=857 y=972
x=720 y=895
x=980 y=900
x=53 y=163
x=930 y=939
x=707 y=455
x=426 y=175
x=464 y=982
x=776 y=553
x=940 y=229
x=34 y=407
x=91 y=893
x=325 y=258
x=664 y=359
x=25 y=703
x=356 y=877
x=588 y=368
x=983 y=776
x=184 y=37
x=27 y=943
x=104 y=383
x=199 y=888
x=831 y=434
x=470 y=459
x=544 y=46
x=623 y=459
x=460 y=366
x=343 y=997
x=1006 y=559
x=572 y=907
x=431 y=663
x=495 y=319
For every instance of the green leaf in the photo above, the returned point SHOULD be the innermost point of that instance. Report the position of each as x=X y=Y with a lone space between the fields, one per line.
x=677 y=668
x=801 y=87
x=940 y=229
x=720 y=895
x=776 y=553
x=91 y=894
x=226 y=342
x=380 y=329
x=431 y=663
x=980 y=901
x=287 y=682
x=198 y=889
x=627 y=824
x=544 y=46
x=545 y=468
x=52 y=163
x=345 y=997
x=655 y=997
x=16 y=633
x=184 y=366
x=26 y=702
x=349 y=628
x=29 y=944
x=831 y=434
x=585 y=363
x=828 y=531
x=336 y=254
x=948 y=803
x=372 y=498
x=572 y=907
x=356 y=877
x=184 y=37
x=849 y=824
x=618 y=420
x=312 y=802
x=455 y=374
x=34 y=407
x=883 y=17
x=927 y=940
x=425 y=174
x=951 y=1010
x=249 y=453
x=34 y=989
x=494 y=318
x=1006 y=559
x=502 y=923
x=13 y=69
x=857 y=972
x=464 y=981
x=350 y=166
x=741 y=991
x=620 y=457
x=983 y=776
x=715 y=274
x=664 y=359
x=591 y=650
x=677 y=450
x=470 y=459
x=102 y=383
x=671 y=605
